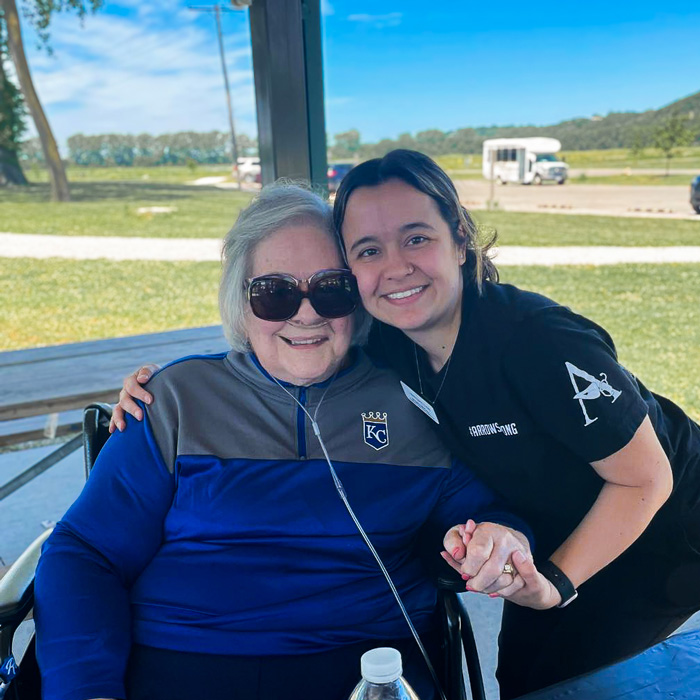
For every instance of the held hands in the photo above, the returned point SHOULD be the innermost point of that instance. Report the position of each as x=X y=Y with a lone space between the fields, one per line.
x=481 y=552
x=131 y=390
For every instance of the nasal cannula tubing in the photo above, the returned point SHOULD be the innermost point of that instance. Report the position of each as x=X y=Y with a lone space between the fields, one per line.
x=341 y=492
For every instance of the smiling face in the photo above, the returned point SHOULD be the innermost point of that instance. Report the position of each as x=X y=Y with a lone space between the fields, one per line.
x=307 y=348
x=405 y=259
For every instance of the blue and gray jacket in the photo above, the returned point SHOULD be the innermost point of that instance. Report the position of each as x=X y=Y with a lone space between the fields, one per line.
x=214 y=526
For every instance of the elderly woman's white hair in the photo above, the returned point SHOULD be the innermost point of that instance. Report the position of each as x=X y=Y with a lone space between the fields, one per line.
x=278 y=205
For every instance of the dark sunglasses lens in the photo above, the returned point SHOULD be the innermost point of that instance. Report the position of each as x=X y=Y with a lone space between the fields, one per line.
x=273 y=299
x=334 y=295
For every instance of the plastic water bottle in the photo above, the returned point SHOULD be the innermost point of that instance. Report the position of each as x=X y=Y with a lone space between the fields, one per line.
x=381 y=677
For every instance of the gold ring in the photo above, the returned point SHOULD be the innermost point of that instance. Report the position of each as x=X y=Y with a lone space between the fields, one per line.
x=508 y=569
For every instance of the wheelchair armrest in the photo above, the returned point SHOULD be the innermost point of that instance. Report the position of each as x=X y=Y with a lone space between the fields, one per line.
x=449 y=580
x=17 y=585
x=95 y=432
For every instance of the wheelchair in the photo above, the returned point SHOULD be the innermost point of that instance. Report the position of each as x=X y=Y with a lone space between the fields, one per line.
x=19 y=672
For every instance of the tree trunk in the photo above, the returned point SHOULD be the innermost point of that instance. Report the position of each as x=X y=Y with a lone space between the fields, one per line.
x=57 y=173
x=10 y=169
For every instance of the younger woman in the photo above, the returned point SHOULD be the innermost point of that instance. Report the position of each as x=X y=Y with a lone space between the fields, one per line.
x=532 y=396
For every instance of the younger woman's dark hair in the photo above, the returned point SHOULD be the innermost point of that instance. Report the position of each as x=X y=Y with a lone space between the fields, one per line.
x=424 y=174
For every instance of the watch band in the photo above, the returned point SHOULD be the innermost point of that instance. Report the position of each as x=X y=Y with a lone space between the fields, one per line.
x=560 y=581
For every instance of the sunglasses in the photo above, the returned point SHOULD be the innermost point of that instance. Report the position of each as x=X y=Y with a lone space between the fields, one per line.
x=277 y=297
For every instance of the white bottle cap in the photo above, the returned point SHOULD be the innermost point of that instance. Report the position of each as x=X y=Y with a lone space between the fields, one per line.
x=381 y=665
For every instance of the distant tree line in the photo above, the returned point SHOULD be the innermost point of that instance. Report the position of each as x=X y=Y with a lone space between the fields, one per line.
x=633 y=130
x=673 y=126
x=145 y=149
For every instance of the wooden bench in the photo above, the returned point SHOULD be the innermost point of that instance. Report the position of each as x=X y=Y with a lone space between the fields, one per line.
x=60 y=378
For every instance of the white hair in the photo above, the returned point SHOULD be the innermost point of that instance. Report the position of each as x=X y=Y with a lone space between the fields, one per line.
x=277 y=206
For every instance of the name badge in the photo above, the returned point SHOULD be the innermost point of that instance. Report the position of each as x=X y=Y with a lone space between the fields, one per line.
x=420 y=402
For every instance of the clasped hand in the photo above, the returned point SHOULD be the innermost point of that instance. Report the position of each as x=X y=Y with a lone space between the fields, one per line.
x=480 y=553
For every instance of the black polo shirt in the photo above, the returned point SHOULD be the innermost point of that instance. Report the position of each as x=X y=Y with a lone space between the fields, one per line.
x=534 y=393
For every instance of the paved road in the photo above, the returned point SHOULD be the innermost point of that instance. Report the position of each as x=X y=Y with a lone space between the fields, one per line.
x=575 y=172
x=664 y=202
x=25 y=245
x=658 y=201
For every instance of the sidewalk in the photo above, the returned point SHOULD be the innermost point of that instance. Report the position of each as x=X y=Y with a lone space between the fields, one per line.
x=22 y=245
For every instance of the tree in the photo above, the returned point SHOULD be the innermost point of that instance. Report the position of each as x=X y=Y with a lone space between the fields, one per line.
x=347 y=144
x=39 y=13
x=671 y=134
x=246 y=145
x=12 y=123
x=431 y=142
x=639 y=141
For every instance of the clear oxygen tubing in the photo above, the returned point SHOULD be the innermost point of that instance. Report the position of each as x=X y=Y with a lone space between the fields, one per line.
x=343 y=496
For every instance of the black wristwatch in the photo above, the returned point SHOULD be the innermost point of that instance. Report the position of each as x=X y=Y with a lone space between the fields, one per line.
x=560 y=581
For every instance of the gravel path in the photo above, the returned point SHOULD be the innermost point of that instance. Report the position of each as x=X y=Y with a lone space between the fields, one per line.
x=23 y=245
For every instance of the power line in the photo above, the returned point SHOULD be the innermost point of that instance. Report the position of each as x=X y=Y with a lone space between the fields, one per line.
x=216 y=9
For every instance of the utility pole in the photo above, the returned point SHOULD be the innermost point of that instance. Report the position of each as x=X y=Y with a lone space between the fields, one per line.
x=216 y=9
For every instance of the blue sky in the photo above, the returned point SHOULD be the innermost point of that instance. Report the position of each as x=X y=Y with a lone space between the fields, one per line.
x=391 y=66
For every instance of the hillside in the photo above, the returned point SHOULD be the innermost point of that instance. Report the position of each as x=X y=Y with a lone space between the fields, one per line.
x=616 y=130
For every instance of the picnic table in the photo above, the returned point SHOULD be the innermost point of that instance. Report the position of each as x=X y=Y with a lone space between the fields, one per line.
x=55 y=379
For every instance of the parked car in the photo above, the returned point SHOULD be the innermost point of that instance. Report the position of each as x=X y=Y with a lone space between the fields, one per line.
x=695 y=194
x=249 y=169
x=336 y=172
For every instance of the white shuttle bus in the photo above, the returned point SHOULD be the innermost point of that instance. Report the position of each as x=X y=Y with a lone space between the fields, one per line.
x=526 y=161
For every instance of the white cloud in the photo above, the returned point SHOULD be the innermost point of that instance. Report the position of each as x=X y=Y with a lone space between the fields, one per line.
x=391 y=19
x=338 y=101
x=143 y=73
x=327 y=8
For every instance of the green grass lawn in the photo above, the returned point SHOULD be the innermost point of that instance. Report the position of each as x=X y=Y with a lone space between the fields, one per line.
x=45 y=302
x=465 y=174
x=109 y=208
x=652 y=311
x=520 y=228
x=660 y=179
x=688 y=157
x=611 y=158
x=174 y=174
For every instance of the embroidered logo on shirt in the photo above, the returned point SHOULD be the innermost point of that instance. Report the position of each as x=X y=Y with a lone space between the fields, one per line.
x=509 y=429
x=375 y=430
x=8 y=671
x=594 y=389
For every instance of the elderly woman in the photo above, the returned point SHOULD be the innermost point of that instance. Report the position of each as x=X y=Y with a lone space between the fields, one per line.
x=210 y=554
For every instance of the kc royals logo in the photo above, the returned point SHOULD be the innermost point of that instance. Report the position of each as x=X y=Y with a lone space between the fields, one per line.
x=8 y=671
x=375 y=430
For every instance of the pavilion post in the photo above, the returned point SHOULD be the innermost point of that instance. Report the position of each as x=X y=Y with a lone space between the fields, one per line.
x=288 y=72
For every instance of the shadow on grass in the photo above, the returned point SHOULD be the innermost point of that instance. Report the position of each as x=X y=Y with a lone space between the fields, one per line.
x=101 y=191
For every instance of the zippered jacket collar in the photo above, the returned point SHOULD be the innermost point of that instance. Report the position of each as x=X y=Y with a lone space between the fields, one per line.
x=248 y=369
